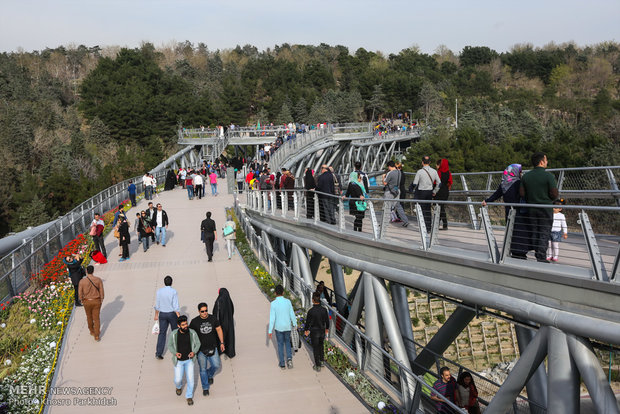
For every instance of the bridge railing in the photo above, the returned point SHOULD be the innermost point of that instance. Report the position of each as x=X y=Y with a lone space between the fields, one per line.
x=489 y=233
x=395 y=378
x=17 y=266
x=585 y=182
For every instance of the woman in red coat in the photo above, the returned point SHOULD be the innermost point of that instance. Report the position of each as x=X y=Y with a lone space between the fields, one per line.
x=468 y=393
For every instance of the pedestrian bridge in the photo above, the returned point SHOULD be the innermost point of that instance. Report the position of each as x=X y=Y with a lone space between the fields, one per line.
x=562 y=312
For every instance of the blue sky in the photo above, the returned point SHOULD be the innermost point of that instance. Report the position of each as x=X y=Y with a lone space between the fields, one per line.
x=387 y=26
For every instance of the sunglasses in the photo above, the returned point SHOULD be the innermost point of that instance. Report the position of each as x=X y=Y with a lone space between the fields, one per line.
x=203 y=311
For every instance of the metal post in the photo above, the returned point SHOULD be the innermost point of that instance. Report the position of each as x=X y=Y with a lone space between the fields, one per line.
x=592 y=374
x=435 y=225
x=422 y=225
x=527 y=364
x=613 y=183
x=598 y=266
x=470 y=207
x=341 y=214
x=508 y=234
x=488 y=232
x=563 y=378
x=373 y=220
x=536 y=386
x=371 y=322
x=317 y=209
x=339 y=286
x=403 y=316
x=393 y=333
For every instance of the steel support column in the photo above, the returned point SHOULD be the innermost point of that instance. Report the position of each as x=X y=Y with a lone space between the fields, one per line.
x=339 y=286
x=525 y=367
x=537 y=385
x=401 y=311
x=444 y=337
x=371 y=323
x=592 y=374
x=315 y=263
x=563 y=378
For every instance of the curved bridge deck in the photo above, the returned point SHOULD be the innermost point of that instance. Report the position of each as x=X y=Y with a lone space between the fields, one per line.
x=124 y=359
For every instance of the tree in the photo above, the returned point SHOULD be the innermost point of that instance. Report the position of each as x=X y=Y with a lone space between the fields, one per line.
x=429 y=98
x=377 y=102
x=477 y=55
x=31 y=214
x=301 y=110
x=284 y=117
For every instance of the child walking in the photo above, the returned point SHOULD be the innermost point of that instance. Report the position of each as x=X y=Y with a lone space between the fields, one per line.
x=559 y=230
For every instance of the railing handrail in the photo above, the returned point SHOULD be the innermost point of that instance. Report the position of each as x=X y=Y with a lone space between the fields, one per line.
x=450 y=202
x=356 y=331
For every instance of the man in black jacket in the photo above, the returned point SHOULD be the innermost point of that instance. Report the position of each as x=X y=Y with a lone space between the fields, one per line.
x=325 y=184
x=209 y=234
x=160 y=221
x=317 y=326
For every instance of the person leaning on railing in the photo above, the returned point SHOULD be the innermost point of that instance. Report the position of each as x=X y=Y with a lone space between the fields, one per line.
x=508 y=189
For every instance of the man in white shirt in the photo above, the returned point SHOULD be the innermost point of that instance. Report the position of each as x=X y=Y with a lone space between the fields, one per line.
x=147 y=182
x=160 y=219
x=426 y=185
x=198 y=183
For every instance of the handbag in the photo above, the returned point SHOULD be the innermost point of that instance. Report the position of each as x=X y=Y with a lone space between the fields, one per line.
x=93 y=231
x=361 y=205
x=228 y=230
x=117 y=233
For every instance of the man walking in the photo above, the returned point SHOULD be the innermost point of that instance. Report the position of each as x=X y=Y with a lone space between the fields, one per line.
x=446 y=386
x=150 y=214
x=198 y=183
x=206 y=326
x=160 y=220
x=317 y=326
x=539 y=187
x=391 y=190
x=147 y=183
x=209 y=234
x=91 y=296
x=96 y=231
x=183 y=345
x=281 y=318
x=131 y=188
x=166 y=312
x=325 y=184
x=425 y=188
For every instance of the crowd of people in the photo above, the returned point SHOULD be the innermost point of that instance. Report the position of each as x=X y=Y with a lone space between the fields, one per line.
x=204 y=339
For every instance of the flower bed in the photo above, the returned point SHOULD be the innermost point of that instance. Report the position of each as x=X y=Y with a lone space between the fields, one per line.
x=32 y=327
x=334 y=357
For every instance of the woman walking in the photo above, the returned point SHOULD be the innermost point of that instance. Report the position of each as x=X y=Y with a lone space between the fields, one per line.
x=144 y=229
x=468 y=393
x=357 y=204
x=224 y=311
x=309 y=185
x=230 y=234
x=509 y=190
x=123 y=230
x=443 y=170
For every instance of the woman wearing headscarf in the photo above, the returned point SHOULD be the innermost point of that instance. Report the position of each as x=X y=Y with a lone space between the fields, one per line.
x=357 y=204
x=443 y=170
x=230 y=234
x=309 y=185
x=509 y=190
x=224 y=311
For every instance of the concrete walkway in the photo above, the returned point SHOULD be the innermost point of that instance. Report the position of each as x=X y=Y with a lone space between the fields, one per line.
x=125 y=358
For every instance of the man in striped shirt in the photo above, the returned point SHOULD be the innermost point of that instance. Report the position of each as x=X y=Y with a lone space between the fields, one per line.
x=446 y=386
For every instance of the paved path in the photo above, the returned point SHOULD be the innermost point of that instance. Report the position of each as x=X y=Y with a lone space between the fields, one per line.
x=125 y=358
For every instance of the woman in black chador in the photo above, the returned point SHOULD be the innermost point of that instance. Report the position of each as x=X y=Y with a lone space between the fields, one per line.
x=171 y=181
x=224 y=311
